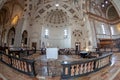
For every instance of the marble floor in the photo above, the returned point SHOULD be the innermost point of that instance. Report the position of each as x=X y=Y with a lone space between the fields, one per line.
x=111 y=72
x=2 y=77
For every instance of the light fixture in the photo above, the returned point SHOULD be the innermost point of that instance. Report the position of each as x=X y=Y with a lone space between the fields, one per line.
x=106 y=2
x=87 y=49
x=15 y=20
x=65 y=62
x=103 y=5
x=56 y=4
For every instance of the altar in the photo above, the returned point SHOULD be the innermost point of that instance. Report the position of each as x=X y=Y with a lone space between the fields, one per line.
x=52 y=53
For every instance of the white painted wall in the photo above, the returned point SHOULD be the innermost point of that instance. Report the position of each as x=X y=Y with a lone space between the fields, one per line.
x=55 y=37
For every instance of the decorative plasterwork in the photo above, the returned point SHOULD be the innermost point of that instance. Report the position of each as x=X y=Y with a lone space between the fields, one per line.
x=103 y=10
x=77 y=33
x=70 y=10
x=56 y=17
x=111 y=13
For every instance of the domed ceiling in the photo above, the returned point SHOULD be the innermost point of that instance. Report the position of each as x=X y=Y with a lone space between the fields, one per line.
x=66 y=8
x=56 y=17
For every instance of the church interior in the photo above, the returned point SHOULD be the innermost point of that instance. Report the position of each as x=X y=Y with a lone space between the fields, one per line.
x=59 y=39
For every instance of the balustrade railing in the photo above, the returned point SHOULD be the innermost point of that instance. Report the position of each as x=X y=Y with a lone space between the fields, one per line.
x=79 y=68
x=20 y=64
x=20 y=53
x=109 y=49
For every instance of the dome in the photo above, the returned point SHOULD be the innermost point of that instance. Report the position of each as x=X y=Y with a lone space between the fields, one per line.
x=56 y=17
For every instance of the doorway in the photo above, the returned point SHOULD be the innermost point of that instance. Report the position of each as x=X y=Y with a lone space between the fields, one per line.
x=77 y=47
x=34 y=45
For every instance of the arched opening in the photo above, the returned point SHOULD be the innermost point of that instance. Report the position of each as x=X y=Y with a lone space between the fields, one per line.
x=24 y=38
x=112 y=13
x=4 y=18
x=11 y=37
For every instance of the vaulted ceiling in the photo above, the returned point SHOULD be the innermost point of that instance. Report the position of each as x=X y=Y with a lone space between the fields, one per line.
x=59 y=14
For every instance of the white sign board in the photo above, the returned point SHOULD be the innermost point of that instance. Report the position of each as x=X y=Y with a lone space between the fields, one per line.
x=52 y=53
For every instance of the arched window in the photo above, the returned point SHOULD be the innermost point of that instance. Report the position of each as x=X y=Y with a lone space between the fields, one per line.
x=65 y=33
x=11 y=36
x=103 y=28
x=46 y=33
x=112 y=31
x=24 y=37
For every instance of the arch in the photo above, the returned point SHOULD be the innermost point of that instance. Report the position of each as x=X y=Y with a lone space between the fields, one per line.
x=111 y=13
x=11 y=37
x=2 y=2
x=4 y=15
x=71 y=11
x=25 y=37
x=4 y=18
x=116 y=5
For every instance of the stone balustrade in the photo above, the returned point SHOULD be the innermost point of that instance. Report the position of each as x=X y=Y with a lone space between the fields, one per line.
x=25 y=66
x=79 y=68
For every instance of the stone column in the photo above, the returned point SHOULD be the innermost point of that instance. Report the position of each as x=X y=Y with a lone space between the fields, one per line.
x=18 y=33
